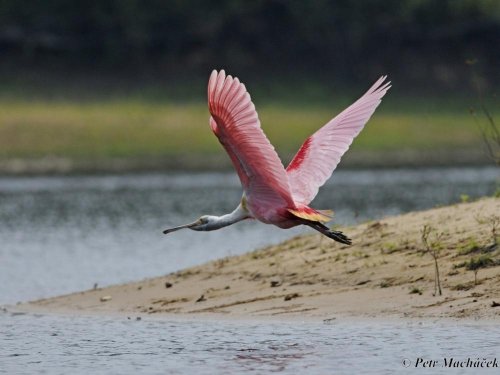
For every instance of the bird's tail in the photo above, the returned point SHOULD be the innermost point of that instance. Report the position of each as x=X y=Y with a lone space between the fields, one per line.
x=311 y=214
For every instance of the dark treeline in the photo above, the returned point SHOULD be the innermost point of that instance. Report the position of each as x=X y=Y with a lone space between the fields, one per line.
x=413 y=40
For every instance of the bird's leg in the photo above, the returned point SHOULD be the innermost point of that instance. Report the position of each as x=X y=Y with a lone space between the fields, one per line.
x=333 y=234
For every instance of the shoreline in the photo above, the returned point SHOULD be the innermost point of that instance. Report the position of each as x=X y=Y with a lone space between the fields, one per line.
x=220 y=162
x=384 y=275
x=24 y=309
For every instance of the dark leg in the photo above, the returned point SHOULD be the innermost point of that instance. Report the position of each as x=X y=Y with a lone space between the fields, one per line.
x=334 y=235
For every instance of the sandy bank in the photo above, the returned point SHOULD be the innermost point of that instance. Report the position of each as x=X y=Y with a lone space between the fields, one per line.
x=384 y=274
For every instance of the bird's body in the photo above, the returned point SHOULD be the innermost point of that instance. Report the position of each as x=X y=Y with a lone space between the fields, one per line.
x=271 y=193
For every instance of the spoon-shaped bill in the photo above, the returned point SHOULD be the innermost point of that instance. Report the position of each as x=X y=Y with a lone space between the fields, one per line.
x=191 y=225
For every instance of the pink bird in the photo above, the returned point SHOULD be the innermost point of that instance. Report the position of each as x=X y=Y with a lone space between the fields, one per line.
x=271 y=193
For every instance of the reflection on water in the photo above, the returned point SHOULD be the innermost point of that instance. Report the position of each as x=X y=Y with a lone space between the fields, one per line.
x=63 y=234
x=55 y=344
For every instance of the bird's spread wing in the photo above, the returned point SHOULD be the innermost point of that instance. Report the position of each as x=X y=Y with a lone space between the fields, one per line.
x=318 y=157
x=235 y=122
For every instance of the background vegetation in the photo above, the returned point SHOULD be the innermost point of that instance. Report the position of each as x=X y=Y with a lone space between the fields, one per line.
x=94 y=80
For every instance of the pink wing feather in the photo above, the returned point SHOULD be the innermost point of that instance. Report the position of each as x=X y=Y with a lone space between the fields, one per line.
x=235 y=122
x=318 y=157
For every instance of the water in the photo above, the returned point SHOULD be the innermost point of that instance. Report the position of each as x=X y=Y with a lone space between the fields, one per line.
x=63 y=345
x=63 y=234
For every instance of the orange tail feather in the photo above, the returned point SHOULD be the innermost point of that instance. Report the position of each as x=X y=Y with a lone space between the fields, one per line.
x=308 y=213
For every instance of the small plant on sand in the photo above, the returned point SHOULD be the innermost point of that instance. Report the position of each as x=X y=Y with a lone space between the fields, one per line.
x=433 y=247
x=463 y=286
x=415 y=290
x=471 y=246
x=464 y=198
x=385 y=284
x=475 y=264
x=493 y=221
x=389 y=248
x=460 y=265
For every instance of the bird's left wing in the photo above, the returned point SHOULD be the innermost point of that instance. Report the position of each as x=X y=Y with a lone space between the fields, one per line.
x=318 y=157
x=235 y=122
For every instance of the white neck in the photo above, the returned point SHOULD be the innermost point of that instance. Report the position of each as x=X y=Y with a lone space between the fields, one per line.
x=217 y=222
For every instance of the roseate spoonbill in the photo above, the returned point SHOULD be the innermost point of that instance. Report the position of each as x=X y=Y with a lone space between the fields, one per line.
x=271 y=193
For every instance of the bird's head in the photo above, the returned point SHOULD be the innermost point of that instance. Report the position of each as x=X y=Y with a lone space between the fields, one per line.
x=204 y=223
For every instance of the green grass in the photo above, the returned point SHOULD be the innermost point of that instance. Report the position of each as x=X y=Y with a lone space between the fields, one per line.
x=139 y=127
x=482 y=261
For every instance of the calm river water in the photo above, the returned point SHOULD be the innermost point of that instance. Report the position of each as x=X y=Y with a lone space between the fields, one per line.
x=63 y=234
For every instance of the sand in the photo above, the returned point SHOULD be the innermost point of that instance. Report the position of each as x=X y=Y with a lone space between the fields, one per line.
x=385 y=274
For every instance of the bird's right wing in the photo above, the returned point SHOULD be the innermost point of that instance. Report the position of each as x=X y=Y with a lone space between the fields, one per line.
x=235 y=122
x=318 y=157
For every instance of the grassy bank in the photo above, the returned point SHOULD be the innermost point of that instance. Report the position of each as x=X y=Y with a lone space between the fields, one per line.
x=144 y=126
